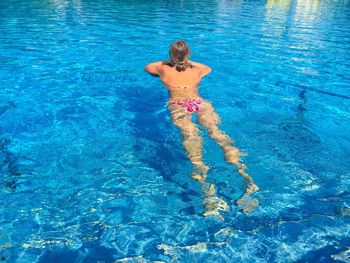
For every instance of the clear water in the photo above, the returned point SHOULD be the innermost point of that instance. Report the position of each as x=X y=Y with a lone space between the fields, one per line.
x=92 y=169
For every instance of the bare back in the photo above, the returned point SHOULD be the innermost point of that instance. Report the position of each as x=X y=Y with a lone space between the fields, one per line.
x=181 y=84
x=175 y=79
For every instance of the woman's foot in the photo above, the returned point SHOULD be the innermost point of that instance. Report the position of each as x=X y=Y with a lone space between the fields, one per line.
x=249 y=205
x=251 y=188
x=213 y=204
x=214 y=213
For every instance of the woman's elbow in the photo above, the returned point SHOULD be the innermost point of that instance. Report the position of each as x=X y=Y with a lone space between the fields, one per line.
x=150 y=70
x=206 y=71
x=146 y=68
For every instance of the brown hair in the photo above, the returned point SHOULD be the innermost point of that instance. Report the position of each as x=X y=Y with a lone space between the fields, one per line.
x=179 y=54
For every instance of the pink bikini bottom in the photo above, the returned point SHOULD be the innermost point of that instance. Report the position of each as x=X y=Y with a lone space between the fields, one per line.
x=190 y=105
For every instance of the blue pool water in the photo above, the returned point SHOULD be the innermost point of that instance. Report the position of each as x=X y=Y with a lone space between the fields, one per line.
x=92 y=168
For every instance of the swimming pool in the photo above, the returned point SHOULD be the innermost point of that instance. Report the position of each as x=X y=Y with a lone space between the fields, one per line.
x=92 y=169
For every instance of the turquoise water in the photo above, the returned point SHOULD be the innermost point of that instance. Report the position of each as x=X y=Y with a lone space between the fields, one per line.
x=92 y=168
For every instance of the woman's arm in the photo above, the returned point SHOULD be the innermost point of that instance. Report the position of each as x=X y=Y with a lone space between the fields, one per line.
x=204 y=69
x=154 y=68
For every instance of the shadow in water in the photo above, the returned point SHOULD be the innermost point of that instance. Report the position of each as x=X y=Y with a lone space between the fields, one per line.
x=9 y=165
x=13 y=166
x=306 y=148
x=283 y=84
x=7 y=107
x=301 y=140
x=148 y=121
x=8 y=161
x=151 y=128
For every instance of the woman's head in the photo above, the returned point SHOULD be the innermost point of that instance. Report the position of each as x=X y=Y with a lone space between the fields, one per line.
x=179 y=54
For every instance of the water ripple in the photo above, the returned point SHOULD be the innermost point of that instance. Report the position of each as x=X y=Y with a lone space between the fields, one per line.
x=92 y=169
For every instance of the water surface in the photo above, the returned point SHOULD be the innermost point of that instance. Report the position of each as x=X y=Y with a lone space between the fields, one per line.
x=92 y=169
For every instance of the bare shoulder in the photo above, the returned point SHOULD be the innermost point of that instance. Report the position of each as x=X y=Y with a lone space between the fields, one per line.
x=164 y=65
x=202 y=69
x=195 y=68
x=164 y=68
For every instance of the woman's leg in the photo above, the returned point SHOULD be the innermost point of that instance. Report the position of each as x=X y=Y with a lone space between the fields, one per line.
x=193 y=145
x=192 y=141
x=210 y=119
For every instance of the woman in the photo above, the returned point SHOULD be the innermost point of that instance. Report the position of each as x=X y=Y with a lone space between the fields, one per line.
x=182 y=76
